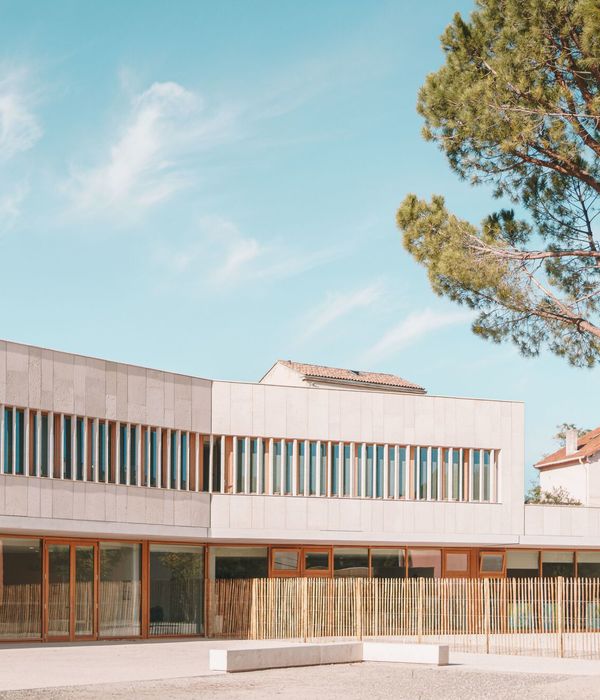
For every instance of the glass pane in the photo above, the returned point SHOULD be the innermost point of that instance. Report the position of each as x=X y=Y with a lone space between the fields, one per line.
x=120 y=589
x=492 y=563
x=521 y=564
x=369 y=472
x=422 y=472
x=176 y=589
x=457 y=562
x=402 y=472
x=434 y=473
x=424 y=563
x=316 y=561
x=238 y=562
x=588 y=564
x=84 y=590
x=20 y=588
x=350 y=562
x=476 y=475
x=558 y=564
x=312 y=473
x=388 y=563
x=59 y=589
x=286 y=559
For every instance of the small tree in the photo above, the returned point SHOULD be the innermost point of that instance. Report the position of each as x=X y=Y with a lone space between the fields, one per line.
x=561 y=434
x=517 y=105
x=555 y=496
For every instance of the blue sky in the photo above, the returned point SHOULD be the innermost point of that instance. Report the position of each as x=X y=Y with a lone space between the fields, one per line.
x=206 y=187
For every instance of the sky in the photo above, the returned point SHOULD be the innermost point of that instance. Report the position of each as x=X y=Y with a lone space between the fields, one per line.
x=205 y=187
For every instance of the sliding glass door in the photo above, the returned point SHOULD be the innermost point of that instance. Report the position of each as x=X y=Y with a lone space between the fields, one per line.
x=71 y=592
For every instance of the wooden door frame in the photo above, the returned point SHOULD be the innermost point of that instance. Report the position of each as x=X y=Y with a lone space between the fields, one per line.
x=458 y=550
x=72 y=543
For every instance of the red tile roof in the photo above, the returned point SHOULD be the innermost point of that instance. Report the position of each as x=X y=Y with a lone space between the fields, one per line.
x=354 y=376
x=587 y=445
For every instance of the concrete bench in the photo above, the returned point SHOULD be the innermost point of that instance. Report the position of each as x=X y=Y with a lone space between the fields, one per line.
x=406 y=653
x=259 y=658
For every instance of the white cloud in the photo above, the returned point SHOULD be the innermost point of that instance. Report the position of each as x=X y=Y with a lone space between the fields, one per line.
x=338 y=305
x=229 y=258
x=415 y=326
x=19 y=127
x=10 y=206
x=146 y=163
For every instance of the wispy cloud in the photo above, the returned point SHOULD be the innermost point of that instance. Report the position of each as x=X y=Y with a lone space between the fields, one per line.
x=10 y=206
x=337 y=305
x=146 y=163
x=413 y=328
x=229 y=258
x=19 y=126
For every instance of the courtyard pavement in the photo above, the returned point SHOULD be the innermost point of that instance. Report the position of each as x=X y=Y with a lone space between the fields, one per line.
x=179 y=669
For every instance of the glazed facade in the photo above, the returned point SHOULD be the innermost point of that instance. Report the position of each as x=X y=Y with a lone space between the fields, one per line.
x=124 y=490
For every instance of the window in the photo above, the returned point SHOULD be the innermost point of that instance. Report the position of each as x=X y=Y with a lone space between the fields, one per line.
x=286 y=561
x=120 y=589
x=491 y=563
x=216 y=465
x=102 y=451
x=316 y=562
x=238 y=562
x=20 y=441
x=173 y=461
x=79 y=440
x=67 y=447
x=588 y=564
x=350 y=562
x=476 y=483
x=388 y=563
x=289 y=464
x=456 y=475
x=422 y=472
x=391 y=472
x=8 y=441
x=486 y=475
x=522 y=563
x=312 y=480
x=335 y=468
x=253 y=466
x=379 y=466
x=183 y=460
x=424 y=563
x=277 y=463
x=176 y=589
x=558 y=564
x=300 y=480
x=20 y=588
x=456 y=564
x=153 y=456
x=434 y=472
x=323 y=468
x=44 y=456
x=133 y=454
x=402 y=472
x=240 y=465
x=369 y=472
x=347 y=470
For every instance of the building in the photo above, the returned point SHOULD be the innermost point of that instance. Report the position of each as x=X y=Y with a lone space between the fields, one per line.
x=575 y=468
x=123 y=490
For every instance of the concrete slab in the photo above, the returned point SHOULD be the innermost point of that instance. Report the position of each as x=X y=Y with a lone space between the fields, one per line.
x=436 y=654
x=254 y=658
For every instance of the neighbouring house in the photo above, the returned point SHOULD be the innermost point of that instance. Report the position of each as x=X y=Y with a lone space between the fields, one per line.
x=574 y=467
x=126 y=493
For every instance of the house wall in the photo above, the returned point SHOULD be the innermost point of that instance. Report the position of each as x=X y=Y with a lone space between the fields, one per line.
x=573 y=478
x=54 y=381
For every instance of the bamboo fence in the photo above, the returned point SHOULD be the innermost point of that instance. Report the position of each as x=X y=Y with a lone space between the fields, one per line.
x=551 y=617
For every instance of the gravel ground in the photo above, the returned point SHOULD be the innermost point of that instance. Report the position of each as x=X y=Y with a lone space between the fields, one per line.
x=348 y=681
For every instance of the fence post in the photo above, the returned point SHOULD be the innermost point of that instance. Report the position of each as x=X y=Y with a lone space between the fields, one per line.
x=420 y=609
x=486 y=613
x=559 y=614
x=358 y=607
x=304 y=593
